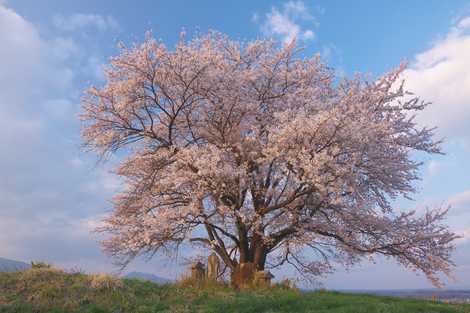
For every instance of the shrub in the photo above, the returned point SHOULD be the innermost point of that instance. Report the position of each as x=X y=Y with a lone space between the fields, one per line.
x=40 y=264
x=105 y=282
x=40 y=274
x=286 y=283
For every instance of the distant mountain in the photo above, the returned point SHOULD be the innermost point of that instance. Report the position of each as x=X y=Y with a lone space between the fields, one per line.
x=149 y=277
x=7 y=265
x=446 y=295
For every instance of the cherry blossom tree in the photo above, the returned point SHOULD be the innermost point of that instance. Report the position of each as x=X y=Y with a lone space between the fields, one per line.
x=252 y=151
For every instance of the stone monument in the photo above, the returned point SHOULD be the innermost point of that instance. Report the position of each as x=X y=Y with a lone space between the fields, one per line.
x=197 y=272
x=213 y=267
x=262 y=279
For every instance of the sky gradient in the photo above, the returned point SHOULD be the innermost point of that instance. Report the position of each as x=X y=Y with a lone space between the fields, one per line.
x=53 y=194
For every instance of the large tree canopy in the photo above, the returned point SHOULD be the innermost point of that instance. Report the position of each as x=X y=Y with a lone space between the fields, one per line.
x=259 y=154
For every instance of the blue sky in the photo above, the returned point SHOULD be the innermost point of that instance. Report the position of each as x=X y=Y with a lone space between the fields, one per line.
x=52 y=194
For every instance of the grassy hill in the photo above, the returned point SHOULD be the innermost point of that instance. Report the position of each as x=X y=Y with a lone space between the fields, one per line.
x=50 y=290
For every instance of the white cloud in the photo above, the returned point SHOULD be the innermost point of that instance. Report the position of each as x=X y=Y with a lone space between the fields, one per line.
x=103 y=180
x=43 y=212
x=54 y=237
x=434 y=167
x=82 y=21
x=27 y=73
x=21 y=52
x=296 y=9
x=76 y=162
x=58 y=108
x=441 y=75
x=286 y=23
x=95 y=67
x=464 y=23
x=65 y=48
x=465 y=236
x=460 y=203
x=308 y=34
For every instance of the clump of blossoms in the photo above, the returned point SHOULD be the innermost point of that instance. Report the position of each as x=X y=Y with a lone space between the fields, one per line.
x=254 y=152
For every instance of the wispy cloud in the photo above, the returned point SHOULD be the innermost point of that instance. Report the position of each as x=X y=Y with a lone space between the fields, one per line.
x=292 y=21
x=460 y=203
x=464 y=23
x=82 y=21
x=464 y=236
x=434 y=167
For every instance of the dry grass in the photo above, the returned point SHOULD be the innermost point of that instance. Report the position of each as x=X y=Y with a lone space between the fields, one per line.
x=105 y=282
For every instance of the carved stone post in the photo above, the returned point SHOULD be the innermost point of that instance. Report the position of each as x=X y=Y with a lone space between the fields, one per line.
x=213 y=267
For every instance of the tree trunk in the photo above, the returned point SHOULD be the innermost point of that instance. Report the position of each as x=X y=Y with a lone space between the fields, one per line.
x=253 y=261
x=259 y=257
x=243 y=242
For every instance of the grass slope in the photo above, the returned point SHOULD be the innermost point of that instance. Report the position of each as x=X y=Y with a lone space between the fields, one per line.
x=49 y=290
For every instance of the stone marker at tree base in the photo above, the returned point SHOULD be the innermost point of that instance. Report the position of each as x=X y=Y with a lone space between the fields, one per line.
x=197 y=271
x=262 y=278
x=213 y=267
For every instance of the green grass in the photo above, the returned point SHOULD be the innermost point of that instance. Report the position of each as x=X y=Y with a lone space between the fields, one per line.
x=48 y=290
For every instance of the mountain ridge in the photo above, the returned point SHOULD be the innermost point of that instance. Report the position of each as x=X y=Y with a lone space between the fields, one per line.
x=147 y=276
x=8 y=265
